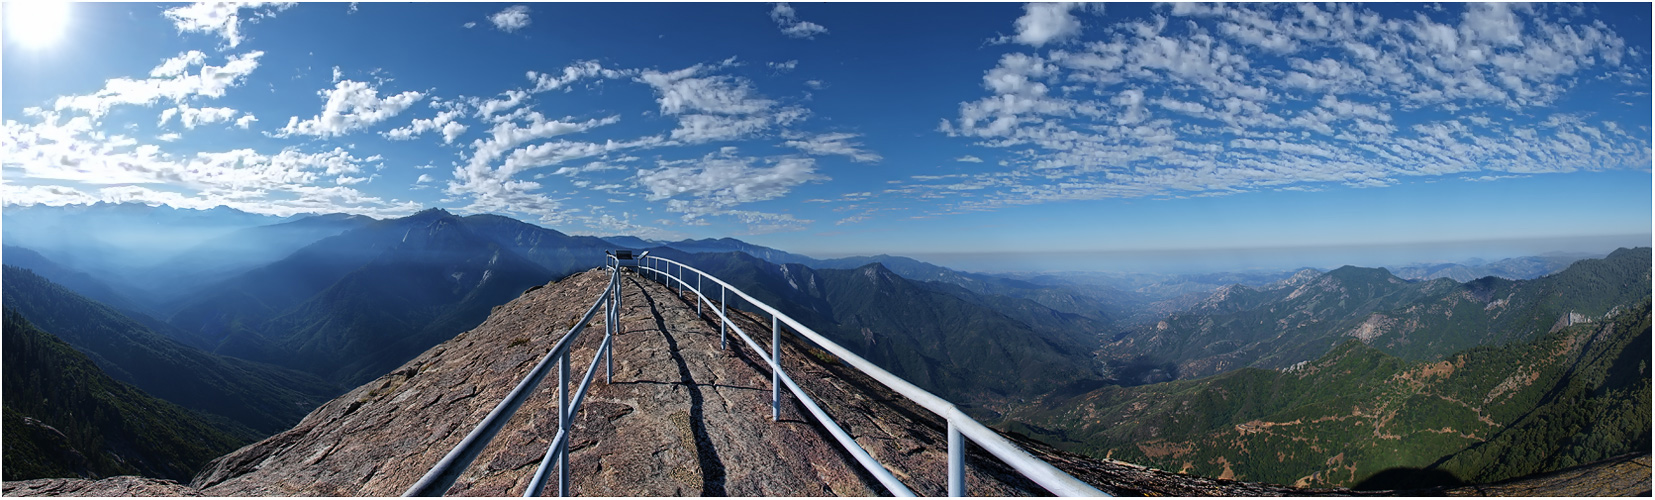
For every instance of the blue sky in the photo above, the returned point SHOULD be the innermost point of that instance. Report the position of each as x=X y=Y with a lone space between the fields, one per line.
x=833 y=129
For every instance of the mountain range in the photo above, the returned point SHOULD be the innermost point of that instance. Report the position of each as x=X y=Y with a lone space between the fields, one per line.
x=1301 y=318
x=348 y=307
x=64 y=417
x=1360 y=417
x=268 y=317
x=245 y=398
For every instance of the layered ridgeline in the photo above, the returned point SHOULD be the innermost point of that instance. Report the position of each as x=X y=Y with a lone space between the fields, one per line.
x=110 y=238
x=980 y=350
x=350 y=307
x=66 y=418
x=1517 y=268
x=1100 y=303
x=1299 y=319
x=246 y=399
x=1557 y=376
x=237 y=252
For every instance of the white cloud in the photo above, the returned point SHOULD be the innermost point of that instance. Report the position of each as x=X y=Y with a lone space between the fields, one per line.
x=596 y=166
x=221 y=18
x=786 y=19
x=715 y=107
x=190 y=116
x=705 y=104
x=512 y=19
x=57 y=150
x=720 y=181
x=494 y=189
x=246 y=121
x=170 y=80
x=490 y=107
x=1201 y=100
x=444 y=122
x=784 y=66
x=969 y=159
x=575 y=72
x=1044 y=23
x=469 y=25
x=764 y=222
x=834 y=144
x=176 y=66
x=351 y=105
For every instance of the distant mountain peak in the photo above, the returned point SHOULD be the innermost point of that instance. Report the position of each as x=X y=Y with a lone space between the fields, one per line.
x=431 y=212
x=1351 y=274
x=1298 y=279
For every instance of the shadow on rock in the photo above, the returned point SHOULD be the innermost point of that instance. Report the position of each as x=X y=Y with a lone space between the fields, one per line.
x=1408 y=478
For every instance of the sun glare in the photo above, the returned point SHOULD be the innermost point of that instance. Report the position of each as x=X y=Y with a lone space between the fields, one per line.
x=35 y=24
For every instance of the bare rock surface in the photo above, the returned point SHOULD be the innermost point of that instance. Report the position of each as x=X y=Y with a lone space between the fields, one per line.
x=120 y=486
x=681 y=416
x=1627 y=475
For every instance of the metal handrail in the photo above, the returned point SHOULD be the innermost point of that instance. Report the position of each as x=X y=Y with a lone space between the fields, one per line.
x=960 y=425
x=845 y=440
x=447 y=470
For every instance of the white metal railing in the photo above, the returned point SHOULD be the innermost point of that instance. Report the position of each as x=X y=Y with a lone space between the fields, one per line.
x=960 y=425
x=442 y=475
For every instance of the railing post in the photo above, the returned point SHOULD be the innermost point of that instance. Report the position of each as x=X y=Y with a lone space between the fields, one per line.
x=723 y=318
x=775 y=370
x=697 y=295
x=609 y=342
x=563 y=418
x=956 y=461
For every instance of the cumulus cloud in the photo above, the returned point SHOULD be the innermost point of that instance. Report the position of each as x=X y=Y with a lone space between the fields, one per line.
x=444 y=122
x=512 y=19
x=787 y=20
x=1201 y=99
x=1044 y=23
x=487 y=108
x=222 y=18
x=969 y=159
x=351 y=105
x=59 y=149
x=190 y=116
x=171 y=80
x=581 y=70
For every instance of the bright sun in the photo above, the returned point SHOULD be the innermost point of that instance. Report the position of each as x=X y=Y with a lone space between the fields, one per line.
x=35 y=24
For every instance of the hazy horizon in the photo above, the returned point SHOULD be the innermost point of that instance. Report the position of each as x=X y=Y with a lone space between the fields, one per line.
x=154 y=243
x=1194 y=261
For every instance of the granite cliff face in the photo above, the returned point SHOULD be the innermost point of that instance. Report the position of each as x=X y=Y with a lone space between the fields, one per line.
x=681 y=417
